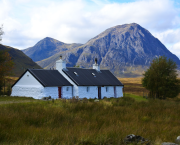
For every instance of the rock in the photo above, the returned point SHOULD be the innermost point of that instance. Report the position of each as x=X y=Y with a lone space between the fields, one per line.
x=177 y=141
x=136 y=139
x=96 y=100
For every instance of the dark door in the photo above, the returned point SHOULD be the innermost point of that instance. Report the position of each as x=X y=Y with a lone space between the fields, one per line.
x=99 y=92
x=59 y=92
x=115 y=92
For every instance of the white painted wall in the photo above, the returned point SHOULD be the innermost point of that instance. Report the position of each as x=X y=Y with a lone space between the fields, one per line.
x=66 y=92
x=28 y=86
x=119 y=91
x=109 y=93
x=28 y=91
x=39 y=92
x=92 y=92
x=28 y=79
x=51 y=91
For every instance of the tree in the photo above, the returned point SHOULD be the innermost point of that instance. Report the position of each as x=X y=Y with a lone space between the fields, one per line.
x=161 y=78
x=6 y=64
x=1 y=32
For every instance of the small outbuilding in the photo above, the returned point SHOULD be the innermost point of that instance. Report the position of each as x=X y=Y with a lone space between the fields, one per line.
x=39 y=83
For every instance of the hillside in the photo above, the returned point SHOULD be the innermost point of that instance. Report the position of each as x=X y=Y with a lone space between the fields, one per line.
x=21 y=61
x=48 y=47
x=127 y=50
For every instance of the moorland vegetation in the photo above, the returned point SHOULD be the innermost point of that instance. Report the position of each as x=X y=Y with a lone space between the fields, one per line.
x=87 y=122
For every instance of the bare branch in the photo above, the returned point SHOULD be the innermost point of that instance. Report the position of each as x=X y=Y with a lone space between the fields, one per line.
x=1 y=32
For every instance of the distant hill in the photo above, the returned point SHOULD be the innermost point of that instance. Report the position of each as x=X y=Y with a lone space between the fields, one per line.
x=21 y=61
x=127 y=50
x=48 y=47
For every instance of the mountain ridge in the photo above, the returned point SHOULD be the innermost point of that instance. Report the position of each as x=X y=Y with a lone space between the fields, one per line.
x=118 y=48
x=52 y=46
x=21 y=61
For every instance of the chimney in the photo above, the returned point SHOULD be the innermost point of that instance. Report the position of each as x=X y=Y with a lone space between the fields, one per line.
x=60 y=64
x=96 y=66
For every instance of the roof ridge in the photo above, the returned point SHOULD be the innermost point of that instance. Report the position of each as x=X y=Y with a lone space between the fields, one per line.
x=84 y=68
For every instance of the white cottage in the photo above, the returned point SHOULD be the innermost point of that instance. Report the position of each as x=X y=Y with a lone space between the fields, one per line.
x=68 y=82
x=91 y=83
x=38 y=83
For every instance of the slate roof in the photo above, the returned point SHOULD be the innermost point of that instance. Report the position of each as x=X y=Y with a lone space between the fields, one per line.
x=48 y=78
x=91 y=77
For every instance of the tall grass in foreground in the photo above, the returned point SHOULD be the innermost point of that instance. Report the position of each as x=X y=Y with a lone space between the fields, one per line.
x=105 y=122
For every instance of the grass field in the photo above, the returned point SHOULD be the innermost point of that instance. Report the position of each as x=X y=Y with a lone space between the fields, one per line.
x=133 y=86
x=106 y=122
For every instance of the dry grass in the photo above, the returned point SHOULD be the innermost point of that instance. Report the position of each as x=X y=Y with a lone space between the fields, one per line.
x=105 y=122
x=133 y=86
x=130 y=80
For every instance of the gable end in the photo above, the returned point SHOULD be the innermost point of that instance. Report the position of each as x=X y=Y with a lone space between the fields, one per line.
x=32 y=75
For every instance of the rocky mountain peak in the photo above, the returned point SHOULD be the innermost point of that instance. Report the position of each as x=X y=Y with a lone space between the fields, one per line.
x=117 y=48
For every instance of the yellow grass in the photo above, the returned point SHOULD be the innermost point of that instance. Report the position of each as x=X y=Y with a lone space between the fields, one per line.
x=131 y=80
x=12 y=78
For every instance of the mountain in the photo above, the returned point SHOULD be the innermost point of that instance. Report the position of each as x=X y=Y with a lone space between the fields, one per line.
x=21 y=61
x=127 y=48
x=47 y=47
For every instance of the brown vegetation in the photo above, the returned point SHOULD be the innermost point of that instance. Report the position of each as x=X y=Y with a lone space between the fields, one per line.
x=92 y=123
x=133 y=86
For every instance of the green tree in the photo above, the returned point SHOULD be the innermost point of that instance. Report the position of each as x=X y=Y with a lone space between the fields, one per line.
x=6 y=65
x=161 y=78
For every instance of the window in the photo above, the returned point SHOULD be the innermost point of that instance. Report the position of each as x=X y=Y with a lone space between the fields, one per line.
x=76 y=73
x=106 y=89
x=67 y=88
x=27 y=75
x=87 y=89
x=93 y=74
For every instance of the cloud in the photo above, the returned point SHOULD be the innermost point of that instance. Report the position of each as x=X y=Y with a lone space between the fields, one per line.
x=77 y=21
x=5 y=9
x=70 y=22
x=170 y=36
x=175 y=49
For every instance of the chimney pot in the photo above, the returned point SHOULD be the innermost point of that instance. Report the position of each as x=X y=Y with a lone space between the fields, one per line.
x=96 y=66
x=95 y=60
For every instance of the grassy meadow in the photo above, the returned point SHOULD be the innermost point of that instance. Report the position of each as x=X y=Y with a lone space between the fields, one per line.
x=69 y=122
x=72 y=122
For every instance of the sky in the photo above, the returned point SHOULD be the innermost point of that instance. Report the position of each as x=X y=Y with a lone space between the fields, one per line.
x=25 y=22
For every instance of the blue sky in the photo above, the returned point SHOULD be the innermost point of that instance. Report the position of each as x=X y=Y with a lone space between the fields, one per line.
x=25 y=22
